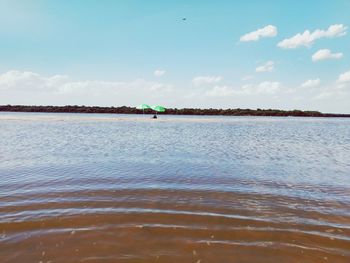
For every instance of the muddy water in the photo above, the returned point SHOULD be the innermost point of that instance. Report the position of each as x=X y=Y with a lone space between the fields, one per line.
x=103 y=188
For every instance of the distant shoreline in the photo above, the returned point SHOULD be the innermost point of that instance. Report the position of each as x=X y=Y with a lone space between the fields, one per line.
x=170 y=111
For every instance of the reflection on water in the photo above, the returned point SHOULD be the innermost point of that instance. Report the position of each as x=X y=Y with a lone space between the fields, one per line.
x=114 y=188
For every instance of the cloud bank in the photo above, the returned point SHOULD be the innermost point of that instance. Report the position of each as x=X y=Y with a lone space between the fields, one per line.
x=324 y=54
x=267 y=31
x=307 y=39
x=159 y=72
x=267 y=67
x=266 y=87
x=344 y=78
x=29 y=88
x=59 y=89
x=203 y=80
x=311 y=83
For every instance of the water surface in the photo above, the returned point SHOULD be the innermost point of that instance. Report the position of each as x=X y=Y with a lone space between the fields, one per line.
x=125 y=188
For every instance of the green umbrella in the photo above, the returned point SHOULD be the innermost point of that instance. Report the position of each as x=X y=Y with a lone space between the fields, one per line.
x=158 y=108
x=143 y=107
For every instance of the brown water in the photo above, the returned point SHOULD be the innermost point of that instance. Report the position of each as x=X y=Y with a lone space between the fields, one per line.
x=81 y=188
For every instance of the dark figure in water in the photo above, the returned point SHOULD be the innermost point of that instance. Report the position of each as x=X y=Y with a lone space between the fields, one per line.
x=154 y=116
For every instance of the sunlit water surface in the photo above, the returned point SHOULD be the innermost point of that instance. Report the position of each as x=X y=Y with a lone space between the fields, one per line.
x=125 y=188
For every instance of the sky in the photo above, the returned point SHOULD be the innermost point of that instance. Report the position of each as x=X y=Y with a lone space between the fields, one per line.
x=202 y=54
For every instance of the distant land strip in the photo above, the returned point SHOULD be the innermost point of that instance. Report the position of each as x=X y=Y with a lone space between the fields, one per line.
x=172 y=111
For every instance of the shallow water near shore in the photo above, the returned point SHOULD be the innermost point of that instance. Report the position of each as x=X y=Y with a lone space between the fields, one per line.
x=125 y=188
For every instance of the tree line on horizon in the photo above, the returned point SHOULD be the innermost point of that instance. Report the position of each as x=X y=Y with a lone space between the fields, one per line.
x=172 y=111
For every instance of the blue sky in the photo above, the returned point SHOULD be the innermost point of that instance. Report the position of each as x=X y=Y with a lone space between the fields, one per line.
x=130 y=52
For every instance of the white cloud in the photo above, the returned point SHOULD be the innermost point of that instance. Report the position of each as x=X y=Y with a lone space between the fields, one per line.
x=161 y=87
x=220 y=91
x=266 y=87
x=110 y=87
x=340 y=91
x=323 y=54
x=29 y=88
x=159 y=72
x=267 y=31
x=307 y=38
x=267 y=67
x=32 y=88
x=33 y=82
x=248 y=77
x=203 y=80
x=336 y=93
x=311 y=83
x=27 y=80
x=344 y=78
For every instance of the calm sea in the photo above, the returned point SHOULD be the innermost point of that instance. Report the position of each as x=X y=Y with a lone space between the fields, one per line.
x=126 y=188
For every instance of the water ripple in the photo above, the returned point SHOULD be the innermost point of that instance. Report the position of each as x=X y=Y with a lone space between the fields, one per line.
x=105 y=188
